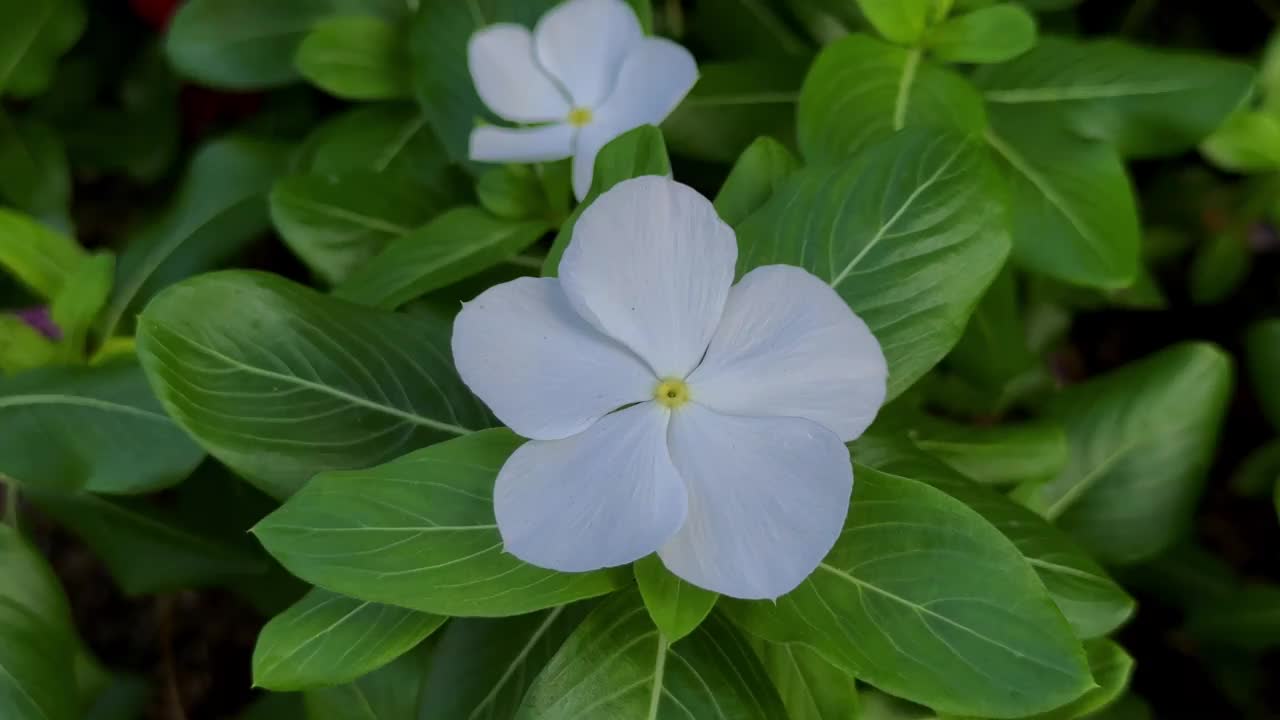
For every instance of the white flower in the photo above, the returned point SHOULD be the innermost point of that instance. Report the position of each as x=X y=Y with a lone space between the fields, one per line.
x=586 y=74
x=668 y=412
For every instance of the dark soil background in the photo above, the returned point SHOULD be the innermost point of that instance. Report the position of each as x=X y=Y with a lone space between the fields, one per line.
x=194 y=647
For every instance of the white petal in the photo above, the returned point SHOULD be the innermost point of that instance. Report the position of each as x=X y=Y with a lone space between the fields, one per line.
x=544 y=372
x=789 y=345
x=545 y=143
x=767 y=500
x=654 y=78
x=650 y=264
x=608 y=496
x=507 y=76
x=583 y=43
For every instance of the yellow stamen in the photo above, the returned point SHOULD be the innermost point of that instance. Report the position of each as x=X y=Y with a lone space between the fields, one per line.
x=671 y=392
x=579 y=116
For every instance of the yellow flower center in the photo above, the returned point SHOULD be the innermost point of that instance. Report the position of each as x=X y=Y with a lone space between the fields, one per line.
x=671 y=392
x=579 y=116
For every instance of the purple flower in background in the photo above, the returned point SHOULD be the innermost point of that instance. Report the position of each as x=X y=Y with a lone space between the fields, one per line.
x=40 y=319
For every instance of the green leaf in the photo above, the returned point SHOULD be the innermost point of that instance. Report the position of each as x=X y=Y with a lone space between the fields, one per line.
x=754 y=177
x=1128 y=707
x=419 y=532
x=914 y=599
x=1141 y=441
x=33 y=35
x=902 y=21
x=997 y=455
x=34 y=173
x=514 y=192
x=1143 y=102
x=330 y=639
x=148 y=549
x=993 y=34
x=393 y=692
x=732 y=104
x=442 y=79
x=1248 y=141
x=22 y=347
x=221 y=206
x=811 y=688
x=98 y=429
x=1111 y=667
x=37 y=641
x=745 y=29
x=1244 y=620
x=241 y=44
x=1072 y=209
x=293 y=382
x=632 y=154
x=454 y=246
x=37 y=256
x=848 y=224
x=618 y=665
x=995 y=353
x=860 y=91
x=1262 y=359
x=335 y=223
x=386 y=138
x=482 y=667
x=677 y=607
x=1219 y=266
x=78 y=303
x=356 y=58
x=1091 y=601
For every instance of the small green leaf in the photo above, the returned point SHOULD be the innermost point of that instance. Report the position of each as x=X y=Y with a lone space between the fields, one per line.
x=81 y=300
x=677 y=607
x=423 y=527
x=1244 y=620
x=482 y=667
x=995 y=353
x=988 y=35
x=811 y=688
x=756 y=174
x=220 y=207
x=1141 y=441
x=293 y=382
x=1219 y=267
x=1111 y=667
x=40 y=258
x=98 y=429
x=22 y=347
x=732 y=104
x=848 y=223
x=34 y=173
x=901 y=21
x=861 y=90
x=1262 y=358
x=638 y=152
x=240 y=44
x=386 y=138
x=914 y=599
x=1248 y=141
x=999 y=455
x=513 y=192
x=618 y=665
x=336 y=223
x=453 y=247
x=356 y=58
x=329 y=639
x=33 y=35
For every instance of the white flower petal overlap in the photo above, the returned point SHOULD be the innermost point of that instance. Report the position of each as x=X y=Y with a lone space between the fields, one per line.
x=586 y=74
x=671 y=413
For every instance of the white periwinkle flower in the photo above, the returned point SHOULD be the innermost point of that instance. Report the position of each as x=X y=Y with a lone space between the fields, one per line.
x=669 y=412
x=585 y=75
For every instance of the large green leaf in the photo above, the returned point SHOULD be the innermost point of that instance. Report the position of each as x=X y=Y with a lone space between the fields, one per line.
x=754 y=176
x=37 y=642
x=280 y=382
x=909 y=233
x=993 y=454
x=329 y=639
x=392 y=692
x=1072 y=209
x=618 y=665
x=1141 y=441
x=637 y=152
x=385 y=138
x=442 y=80
x=915 y=598
x=33 y=35
x=861 y=90
x=811 y=688
x=40 y=258
x=356 y=58
x=1143 y=102
x=419 y=532
x=733 y=104
x=220 y=207
x=454 y=246
x=1091 y=601
x=98 y=429
x=482 y=667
